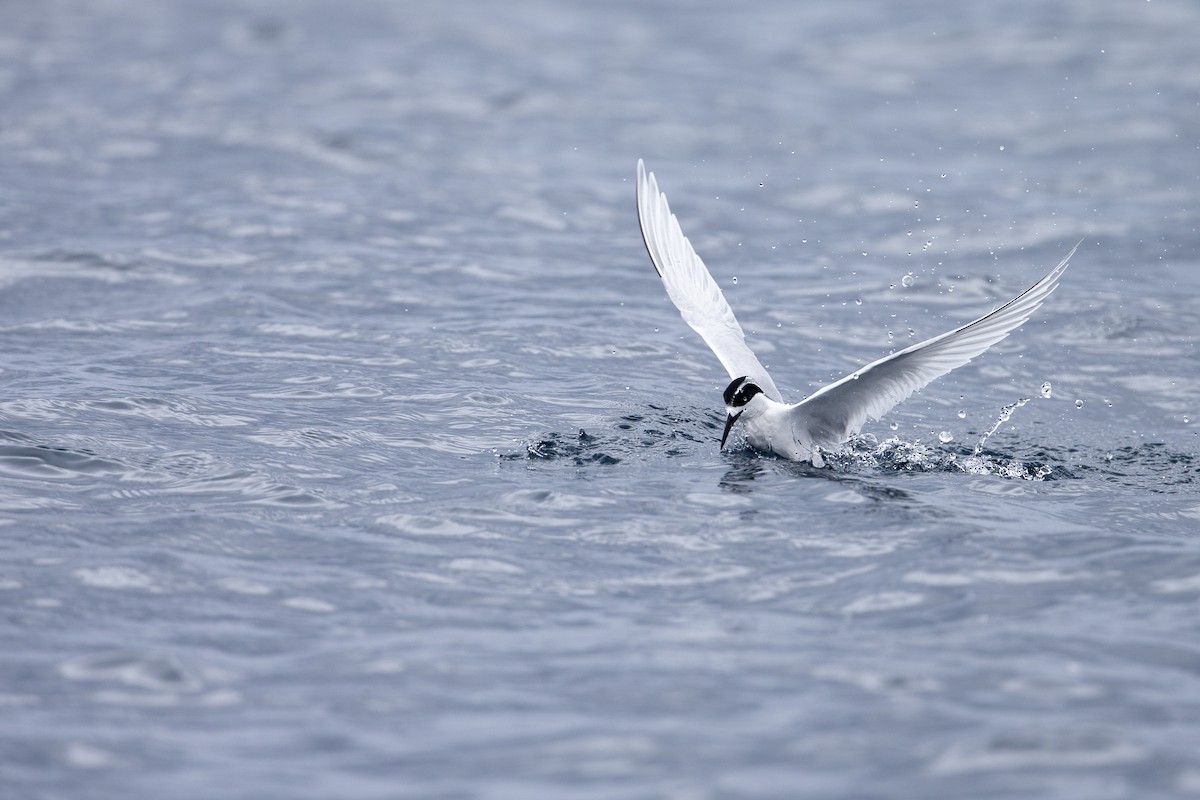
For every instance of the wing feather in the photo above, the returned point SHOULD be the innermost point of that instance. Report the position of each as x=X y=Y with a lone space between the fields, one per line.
x=834 y=413
x=691 y=287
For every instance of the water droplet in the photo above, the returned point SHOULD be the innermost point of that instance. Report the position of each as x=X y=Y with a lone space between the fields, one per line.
x=891 y=336
x=962 y=413
x=1108 y=456
x=1186 y=420
x=894 y=425
x=1046 y=390
x=858 y=301
x=1005 y=414
x=735 y=279
x=1079 y=404
x=945 y=437
x=907 y=280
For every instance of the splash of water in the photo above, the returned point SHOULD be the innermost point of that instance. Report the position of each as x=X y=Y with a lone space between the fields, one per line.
x=866 y=453
x=1005 y=414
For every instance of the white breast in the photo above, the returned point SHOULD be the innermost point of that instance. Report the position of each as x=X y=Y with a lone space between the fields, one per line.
x=773 y=430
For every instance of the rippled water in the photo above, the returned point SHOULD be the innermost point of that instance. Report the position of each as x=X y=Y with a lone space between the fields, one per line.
x=350 y=447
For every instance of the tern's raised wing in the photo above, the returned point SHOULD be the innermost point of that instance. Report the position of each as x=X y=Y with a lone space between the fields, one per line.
x=692 y=289
x=838 y=411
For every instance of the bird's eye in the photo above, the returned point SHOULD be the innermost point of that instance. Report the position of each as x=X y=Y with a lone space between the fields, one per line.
x=744 y=394
x=733 y=388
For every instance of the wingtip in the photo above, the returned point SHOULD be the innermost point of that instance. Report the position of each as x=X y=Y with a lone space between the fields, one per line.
x=645 y=179
x=647 y=195
x=1072 y=252
x=1062 y=265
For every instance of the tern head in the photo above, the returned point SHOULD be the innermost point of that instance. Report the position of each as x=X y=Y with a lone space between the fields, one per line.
x=738 y=395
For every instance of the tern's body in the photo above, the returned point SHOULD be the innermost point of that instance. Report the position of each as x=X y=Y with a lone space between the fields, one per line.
x=828 y=417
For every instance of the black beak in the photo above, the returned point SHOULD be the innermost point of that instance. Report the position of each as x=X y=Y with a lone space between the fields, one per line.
x=729 y=420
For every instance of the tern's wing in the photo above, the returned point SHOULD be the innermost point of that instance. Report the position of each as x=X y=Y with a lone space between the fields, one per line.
x=833 y=414
x=692 y=289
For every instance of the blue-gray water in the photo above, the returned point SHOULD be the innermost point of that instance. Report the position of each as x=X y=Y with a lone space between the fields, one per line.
x=350 y=447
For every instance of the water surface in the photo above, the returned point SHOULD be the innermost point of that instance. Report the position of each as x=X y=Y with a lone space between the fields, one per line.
x=351 y=448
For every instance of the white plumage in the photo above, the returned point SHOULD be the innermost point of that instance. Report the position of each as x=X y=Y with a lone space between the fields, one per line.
x=830 y=416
